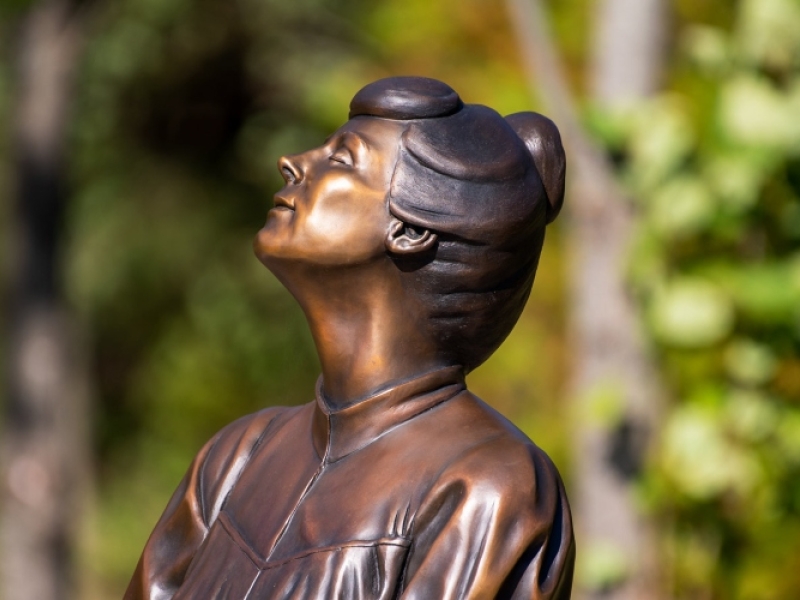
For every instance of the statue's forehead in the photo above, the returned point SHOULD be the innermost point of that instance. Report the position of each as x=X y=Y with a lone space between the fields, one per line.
x=375 y=132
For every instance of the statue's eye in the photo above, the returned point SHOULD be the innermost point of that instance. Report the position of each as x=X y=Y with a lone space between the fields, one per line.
x=343 y=156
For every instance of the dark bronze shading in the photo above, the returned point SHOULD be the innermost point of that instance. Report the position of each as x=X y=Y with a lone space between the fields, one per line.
x=410 y=239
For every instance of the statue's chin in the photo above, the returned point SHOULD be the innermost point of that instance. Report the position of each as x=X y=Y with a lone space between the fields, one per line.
x=274 y=251
x=265 y=246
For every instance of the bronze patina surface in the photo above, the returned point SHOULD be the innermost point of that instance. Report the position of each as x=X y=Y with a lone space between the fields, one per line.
x=410 y=239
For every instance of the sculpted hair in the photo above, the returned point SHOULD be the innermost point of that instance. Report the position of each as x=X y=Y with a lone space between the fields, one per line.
x=487 y=185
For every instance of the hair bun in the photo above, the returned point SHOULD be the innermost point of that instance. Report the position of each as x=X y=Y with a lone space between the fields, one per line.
x=543 y=141
x=405 y=98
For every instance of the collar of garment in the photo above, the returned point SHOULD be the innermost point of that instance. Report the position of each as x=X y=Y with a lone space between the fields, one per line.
x=337 y=433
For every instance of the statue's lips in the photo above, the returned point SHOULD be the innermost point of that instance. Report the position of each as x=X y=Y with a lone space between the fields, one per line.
x=282 y=203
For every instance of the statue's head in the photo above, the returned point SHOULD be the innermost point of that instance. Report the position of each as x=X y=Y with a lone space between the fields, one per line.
x=454 y=196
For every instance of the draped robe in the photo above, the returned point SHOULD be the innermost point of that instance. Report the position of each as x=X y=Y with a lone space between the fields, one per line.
x=419 y=492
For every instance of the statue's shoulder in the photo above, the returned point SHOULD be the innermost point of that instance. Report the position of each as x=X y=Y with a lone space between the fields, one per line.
x=494 y=455
x=220 y=462
x=495 y=480
x=245 y=431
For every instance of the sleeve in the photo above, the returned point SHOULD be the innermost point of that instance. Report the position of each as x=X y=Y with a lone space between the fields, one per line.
x=193 y=508
x=493 y=529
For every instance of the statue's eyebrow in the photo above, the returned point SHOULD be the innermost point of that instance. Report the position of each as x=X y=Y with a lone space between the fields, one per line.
x=356 y=137
x=353 y=142
x=347 y=135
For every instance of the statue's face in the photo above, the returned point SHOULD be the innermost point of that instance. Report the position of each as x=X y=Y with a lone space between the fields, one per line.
x=333 y=208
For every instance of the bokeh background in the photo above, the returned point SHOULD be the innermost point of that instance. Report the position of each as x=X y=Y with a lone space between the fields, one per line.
x=657 y=361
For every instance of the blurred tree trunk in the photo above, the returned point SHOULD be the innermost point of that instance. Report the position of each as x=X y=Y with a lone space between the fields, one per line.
x=610 y=357
x=45 y=420
x=629 y=50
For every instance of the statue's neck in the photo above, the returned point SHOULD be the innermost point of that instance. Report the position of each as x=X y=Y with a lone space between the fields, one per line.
x=368 y=332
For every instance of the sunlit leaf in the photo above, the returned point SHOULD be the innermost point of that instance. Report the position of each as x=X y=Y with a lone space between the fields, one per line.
x=661 y=139
x=707 y=46
x=751 y=415
x=602 y=565
x=749 y=362
x=691 y=313
x=699 y=458
x=789 y=435
x=769 y=32
x=753 y=111
x=735 y=178
x=684 y=205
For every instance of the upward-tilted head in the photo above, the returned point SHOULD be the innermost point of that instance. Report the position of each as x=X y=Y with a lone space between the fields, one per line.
x=454 y=195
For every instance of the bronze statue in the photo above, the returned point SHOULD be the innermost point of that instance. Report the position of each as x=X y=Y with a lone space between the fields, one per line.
x=410 y=238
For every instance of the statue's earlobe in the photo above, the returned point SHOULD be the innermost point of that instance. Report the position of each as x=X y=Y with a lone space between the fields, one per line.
x=406 y=239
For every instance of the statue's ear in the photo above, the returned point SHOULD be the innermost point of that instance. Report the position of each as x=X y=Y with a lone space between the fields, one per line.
x=405 y=239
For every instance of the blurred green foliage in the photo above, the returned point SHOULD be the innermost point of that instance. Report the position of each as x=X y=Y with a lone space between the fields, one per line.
x=714 y=163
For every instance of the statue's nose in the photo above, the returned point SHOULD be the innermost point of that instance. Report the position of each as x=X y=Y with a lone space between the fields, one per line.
x=290 y=169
